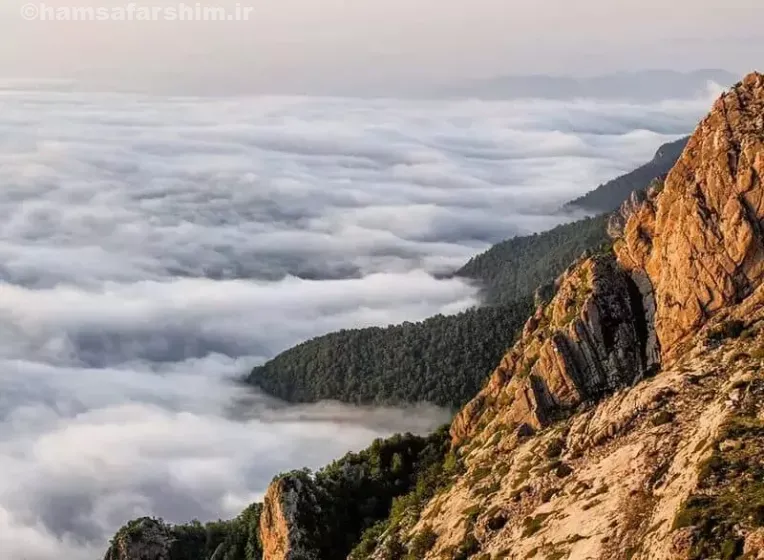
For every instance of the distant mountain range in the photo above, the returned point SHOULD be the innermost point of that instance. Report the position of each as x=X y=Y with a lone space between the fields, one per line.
x=647 y=85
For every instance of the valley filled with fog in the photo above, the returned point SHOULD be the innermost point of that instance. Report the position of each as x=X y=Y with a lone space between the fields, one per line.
x=154 y=249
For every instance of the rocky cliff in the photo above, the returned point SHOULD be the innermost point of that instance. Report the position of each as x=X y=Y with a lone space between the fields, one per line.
x=688 y=248
x=586 y=342
x=627 y=420
x=288 y=532
x=142 y=539
x=700 y=241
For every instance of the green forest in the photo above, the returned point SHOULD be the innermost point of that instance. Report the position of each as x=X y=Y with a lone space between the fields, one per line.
x=236 y=539
x=442 y=360
x=445 y=359
x=516 y=267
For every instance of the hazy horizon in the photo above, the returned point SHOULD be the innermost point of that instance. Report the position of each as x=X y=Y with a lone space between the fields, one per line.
x=367 y=47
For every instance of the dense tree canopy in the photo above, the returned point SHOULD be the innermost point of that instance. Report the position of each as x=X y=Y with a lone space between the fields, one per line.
x=518 y=266
x=236 y=539
x=343 y=500
x=442 y=360
x=337 y=503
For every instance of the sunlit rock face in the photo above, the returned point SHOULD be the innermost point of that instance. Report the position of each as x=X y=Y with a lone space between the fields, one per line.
x=700 y=241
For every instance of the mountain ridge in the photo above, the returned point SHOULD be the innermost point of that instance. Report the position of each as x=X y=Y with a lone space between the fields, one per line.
x=645 y=85
x=609 y=196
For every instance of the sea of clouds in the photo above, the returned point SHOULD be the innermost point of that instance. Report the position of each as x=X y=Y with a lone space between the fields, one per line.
x=152 y=250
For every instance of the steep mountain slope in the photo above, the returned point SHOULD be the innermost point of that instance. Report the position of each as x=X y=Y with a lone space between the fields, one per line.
x=609 y=196
x=627 y=421
x=518 y=266
x=699 y=242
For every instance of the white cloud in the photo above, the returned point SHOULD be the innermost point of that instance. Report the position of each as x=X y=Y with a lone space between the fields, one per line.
x=151 y=250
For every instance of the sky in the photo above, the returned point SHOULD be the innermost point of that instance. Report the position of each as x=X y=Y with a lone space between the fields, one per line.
x=391 y=46
x=154 y=249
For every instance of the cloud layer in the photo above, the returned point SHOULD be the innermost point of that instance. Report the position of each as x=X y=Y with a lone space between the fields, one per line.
x=151 y=250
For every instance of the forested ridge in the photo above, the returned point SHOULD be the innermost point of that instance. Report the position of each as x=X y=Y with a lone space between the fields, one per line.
x=235 y=539
x=518 y=266
x=442 y=360
x=346 y=501
x=609 y=196
x=445 y=359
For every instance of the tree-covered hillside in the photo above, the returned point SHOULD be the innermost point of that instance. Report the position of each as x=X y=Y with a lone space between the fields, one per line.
x=236 y=539
x=520 y=265
x=344 y=500
x=608 y=197
x=442 y=360
x=352 y=494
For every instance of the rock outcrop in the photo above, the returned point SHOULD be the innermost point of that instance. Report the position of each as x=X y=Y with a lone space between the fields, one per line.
x=142 y=539
x=588 y=341
x=153 y=539
x=699 y=242
x=290 y=512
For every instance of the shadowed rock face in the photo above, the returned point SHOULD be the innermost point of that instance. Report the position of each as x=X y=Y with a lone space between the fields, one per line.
x=588 y=341
x=288 y=503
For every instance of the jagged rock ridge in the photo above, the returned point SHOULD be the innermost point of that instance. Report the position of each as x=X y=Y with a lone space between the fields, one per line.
x=585 y=343
x=688 y=248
